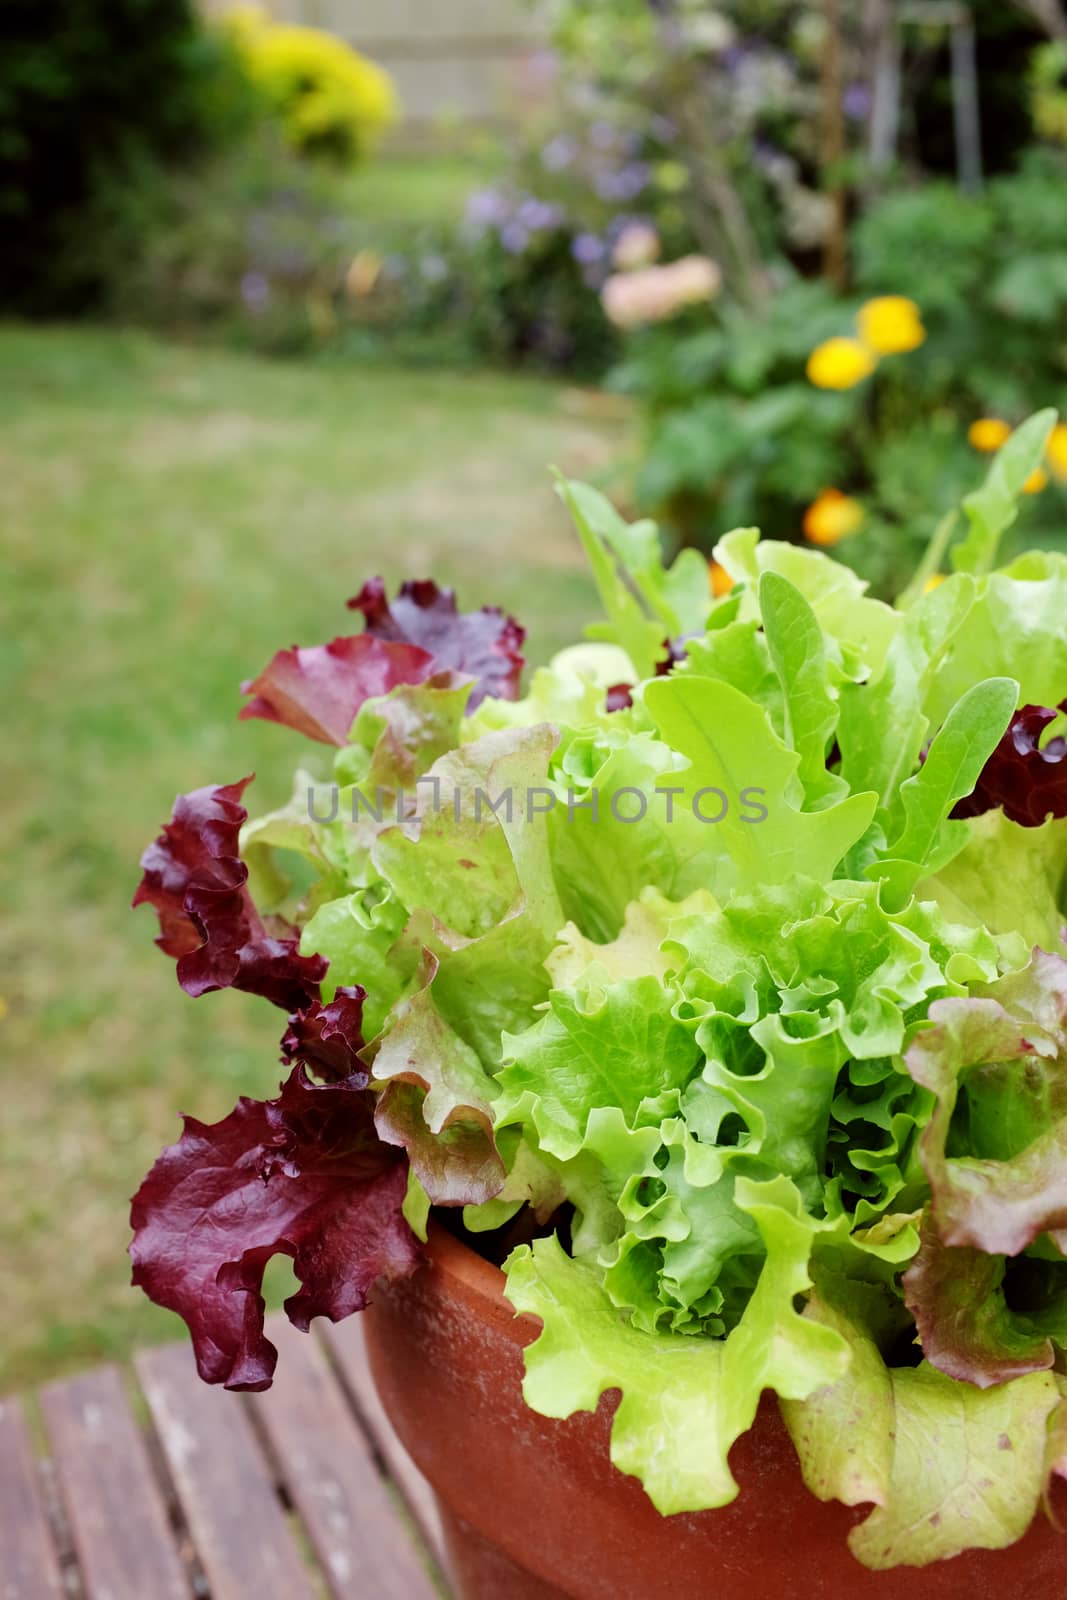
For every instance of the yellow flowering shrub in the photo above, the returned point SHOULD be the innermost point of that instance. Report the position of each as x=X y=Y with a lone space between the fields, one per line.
x=840 y=364
x=831 y=517
x=1056 y=451
x=329 y=99
x=988 y=434
x=890 y=325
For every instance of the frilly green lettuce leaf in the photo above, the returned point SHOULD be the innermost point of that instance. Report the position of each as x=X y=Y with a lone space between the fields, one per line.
x=685 y=1400
x=359 y=935
x=619 y=1045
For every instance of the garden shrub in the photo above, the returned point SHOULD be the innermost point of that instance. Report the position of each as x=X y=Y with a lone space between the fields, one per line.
x=94 y=100
x=330 y=100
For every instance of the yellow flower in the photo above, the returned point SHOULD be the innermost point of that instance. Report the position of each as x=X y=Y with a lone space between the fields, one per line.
x=934 y=581
x=1056 y=450
x=890 y=325
x=831 y=517
x=840 y=364
x=1037 y=481
x=720 y=579
x=988 y=434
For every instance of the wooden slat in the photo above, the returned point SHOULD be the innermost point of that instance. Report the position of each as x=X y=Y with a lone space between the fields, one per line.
x=122 y=1536
x=29 y=1567
x=223 y=1481
x=347 y=1346
x=366 y=1548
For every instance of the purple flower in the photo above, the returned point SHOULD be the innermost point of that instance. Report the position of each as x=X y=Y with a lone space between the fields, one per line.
x=625 y=184
x=602 y=136
x=587 y=249
x=486 y=208
x=536 y=215
x=255 y=292
x=514 y=237
x=856 y=102
x=559 y=153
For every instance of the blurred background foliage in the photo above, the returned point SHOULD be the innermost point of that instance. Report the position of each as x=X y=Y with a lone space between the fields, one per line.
x=224 y=185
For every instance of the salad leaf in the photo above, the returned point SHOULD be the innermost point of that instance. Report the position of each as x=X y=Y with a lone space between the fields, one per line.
x=1026 y=778
x=733 y=752
x=993 y=508
x=684 y=1400
x=1020 y=902
x=948 y=1466
x=965 y=1326
x=485 y=644
x=303 y=1174
x=958 y=752
x=318 y=690
x=328 y=1038
x=196 y=881
x=796 y=645
x=436 y=1102
x=995 y=1147
x=621 y=1046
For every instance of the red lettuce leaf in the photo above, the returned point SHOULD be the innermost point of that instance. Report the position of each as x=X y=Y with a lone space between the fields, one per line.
x=318 y=690
x=304 y=1175
x=618 y=697
x=485 y=644
x=1029 y=783
x=995 y=1147
x=197 y=882
x=328 y=1038
x=966 y=1327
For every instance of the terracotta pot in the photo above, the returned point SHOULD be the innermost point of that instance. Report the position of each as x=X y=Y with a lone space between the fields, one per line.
x=534 y=1510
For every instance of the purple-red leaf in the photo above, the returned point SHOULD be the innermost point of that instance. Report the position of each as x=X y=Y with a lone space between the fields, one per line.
x=304 y=1175
x=965 y=1326
x=1028 y=782
x=196 y=880
x=318 y=690
x=618 y=697
x=485 y=644
x=328 y=1038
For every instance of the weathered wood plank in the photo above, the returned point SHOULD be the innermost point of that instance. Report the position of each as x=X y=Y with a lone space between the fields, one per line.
x=346 y=1344
x=118 y=1521
x=365 y=1546
x=29 y=1566
x=223 y=1481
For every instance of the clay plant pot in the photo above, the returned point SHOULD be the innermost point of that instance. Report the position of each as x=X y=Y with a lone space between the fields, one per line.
x=534 y=1510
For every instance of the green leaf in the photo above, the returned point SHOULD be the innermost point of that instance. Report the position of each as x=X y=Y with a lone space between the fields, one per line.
x=435 y=1102
x=797 y=647
x=949 y=1467
x=617 y=1046
x=959 y=750
x=733 y=750
x=685 y=1400
x=601 y=529
x=997 y=1167
x=993 y=508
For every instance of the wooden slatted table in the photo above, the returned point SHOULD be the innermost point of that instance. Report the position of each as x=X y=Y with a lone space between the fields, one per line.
x=148 y=1485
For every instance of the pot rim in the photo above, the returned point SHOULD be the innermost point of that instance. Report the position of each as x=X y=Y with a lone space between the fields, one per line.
x=479 y=1283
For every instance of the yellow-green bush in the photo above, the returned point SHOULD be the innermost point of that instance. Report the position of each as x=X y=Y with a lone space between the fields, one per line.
x=330 y=100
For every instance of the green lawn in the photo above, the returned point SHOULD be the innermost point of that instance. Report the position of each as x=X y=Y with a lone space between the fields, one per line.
x=170 y=517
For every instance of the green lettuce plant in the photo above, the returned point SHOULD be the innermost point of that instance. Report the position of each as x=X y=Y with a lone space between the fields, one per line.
x=724 y=965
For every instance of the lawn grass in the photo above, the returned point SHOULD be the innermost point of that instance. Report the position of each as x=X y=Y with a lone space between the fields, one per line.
x=169 y=518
